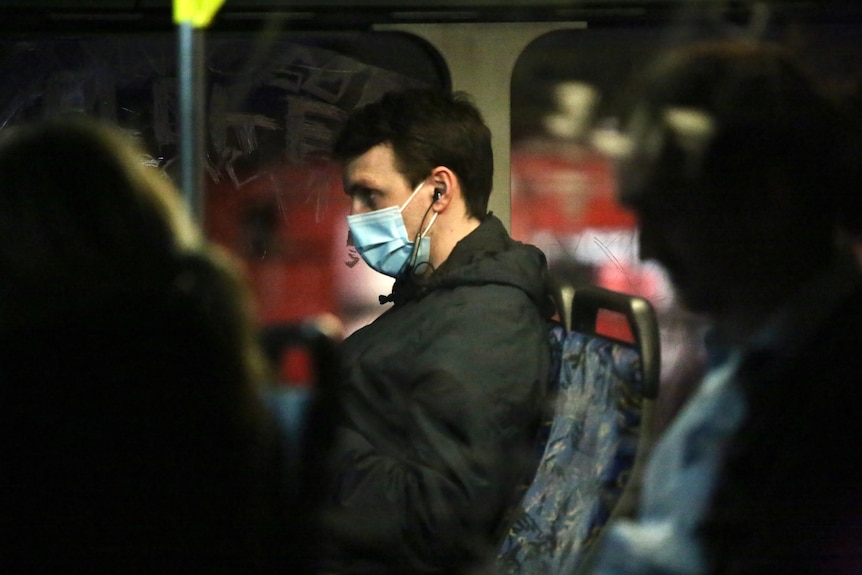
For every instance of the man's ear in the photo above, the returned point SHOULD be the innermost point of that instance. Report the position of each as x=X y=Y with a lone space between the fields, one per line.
x=446 y=187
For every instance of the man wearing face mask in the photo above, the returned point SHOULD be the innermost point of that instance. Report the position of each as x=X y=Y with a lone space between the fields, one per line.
x=443 y=393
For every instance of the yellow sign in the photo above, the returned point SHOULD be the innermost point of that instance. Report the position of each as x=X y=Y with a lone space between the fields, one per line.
x=197 y=12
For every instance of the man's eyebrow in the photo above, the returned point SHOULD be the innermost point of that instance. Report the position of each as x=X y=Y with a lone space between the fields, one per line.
x=359 y=187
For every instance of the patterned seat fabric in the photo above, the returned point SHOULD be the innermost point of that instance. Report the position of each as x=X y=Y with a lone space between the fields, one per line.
x=591 y=447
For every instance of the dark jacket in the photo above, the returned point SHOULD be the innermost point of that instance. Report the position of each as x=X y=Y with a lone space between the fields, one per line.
x=789 y=499
x=441 y=399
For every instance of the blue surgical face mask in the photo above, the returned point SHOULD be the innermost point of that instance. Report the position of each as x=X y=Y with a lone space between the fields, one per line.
x=381 y=239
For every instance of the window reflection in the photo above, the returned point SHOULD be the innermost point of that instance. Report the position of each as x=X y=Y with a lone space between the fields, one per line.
x=569 y=87
x=273 y=107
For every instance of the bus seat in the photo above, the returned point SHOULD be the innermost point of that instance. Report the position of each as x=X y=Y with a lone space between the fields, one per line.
x=305 y=413
x=598 y=438
x=292 y=399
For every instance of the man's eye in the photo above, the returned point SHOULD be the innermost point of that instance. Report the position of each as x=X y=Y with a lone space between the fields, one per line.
x=368 y=199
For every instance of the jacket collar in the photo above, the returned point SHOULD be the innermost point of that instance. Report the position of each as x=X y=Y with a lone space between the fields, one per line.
x=489 y=237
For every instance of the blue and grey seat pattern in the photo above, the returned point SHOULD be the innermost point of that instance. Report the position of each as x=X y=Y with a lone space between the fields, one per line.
x=596 y=438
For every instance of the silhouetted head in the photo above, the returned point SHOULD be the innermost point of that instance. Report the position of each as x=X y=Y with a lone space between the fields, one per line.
x=134 y=436
x=738 y=172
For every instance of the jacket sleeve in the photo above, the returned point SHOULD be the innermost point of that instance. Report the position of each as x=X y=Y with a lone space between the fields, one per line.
x=435 y=442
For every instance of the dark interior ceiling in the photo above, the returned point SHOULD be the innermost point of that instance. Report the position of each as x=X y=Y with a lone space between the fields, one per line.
x=23 y=16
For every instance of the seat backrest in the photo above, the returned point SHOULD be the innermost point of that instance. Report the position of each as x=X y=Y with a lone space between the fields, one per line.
x=294 y=402
x=305 y=415
x=597 y=439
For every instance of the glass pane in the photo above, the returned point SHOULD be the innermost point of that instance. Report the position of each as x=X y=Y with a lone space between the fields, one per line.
x=568 y=88
x=273 y=105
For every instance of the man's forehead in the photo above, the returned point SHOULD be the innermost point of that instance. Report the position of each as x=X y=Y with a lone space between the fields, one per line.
x=353 y=183
x=371 y=167
x=354 y=180
x=373 y=181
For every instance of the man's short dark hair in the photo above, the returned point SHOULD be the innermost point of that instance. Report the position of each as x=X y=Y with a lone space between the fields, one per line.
x=426 y=129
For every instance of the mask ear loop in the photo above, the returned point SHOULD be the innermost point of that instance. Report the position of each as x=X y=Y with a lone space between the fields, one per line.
x=414 y=254
x=410 y=199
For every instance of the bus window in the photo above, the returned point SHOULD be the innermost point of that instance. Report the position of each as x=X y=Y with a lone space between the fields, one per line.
x=568 y=89
x=273 y=105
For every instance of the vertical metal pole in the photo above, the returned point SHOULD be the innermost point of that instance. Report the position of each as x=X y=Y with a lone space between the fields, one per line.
x=192 y=105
